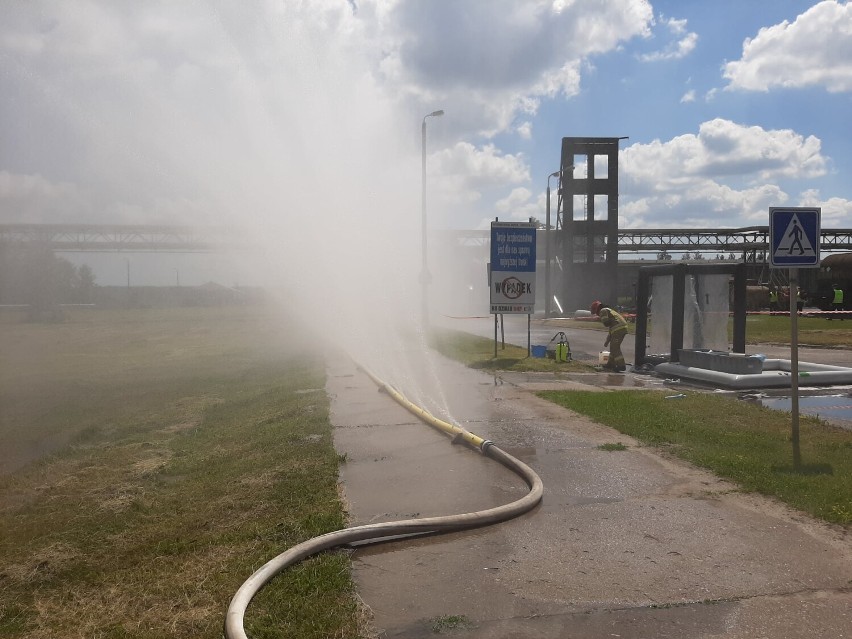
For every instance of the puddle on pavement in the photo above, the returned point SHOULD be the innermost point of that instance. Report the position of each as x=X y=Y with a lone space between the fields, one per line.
x=615 y=379
x=601 y=378
x=631 y=379
x=830 y=407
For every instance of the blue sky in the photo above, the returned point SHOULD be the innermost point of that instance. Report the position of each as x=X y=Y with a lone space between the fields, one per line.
x=270 y=112
x=689 y=78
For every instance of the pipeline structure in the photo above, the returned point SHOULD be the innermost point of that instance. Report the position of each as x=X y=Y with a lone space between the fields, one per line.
x=235 y=617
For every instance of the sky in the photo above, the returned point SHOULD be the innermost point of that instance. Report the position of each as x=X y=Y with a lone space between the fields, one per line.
x=302 y=118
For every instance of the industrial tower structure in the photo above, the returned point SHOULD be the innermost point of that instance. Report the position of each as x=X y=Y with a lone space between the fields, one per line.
x=587 y=223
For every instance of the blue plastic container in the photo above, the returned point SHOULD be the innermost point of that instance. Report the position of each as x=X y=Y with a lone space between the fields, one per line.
x=539 y=351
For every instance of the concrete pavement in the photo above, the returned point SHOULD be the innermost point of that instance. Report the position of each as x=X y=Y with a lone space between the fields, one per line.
x=625 y=543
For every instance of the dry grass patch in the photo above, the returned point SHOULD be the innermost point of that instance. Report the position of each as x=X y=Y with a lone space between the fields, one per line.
x=174 y=484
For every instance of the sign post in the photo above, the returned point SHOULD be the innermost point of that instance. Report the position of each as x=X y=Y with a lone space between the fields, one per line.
x=513 y=263
x=794 y=236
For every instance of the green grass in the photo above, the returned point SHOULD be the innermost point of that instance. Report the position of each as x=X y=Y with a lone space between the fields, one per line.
x=763 y=329
x=179 y=451
x=742 y=442
x=612 y=446
x=449 y=623
x=812 y=331
x=478 y=352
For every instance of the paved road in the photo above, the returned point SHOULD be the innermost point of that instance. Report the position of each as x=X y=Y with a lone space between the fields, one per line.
x=625 y=544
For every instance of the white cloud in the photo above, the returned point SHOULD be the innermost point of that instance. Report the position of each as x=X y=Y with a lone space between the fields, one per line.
x=677 y=49
x=250 y=110
x=813 y=50
x=676 y=26
x=479 y=167
x=726 y=149
x=34 y=199
x=208 y=108
x=836 y=211
x=517 y=198
x=38 y=200
x=488 y=60
x=500 y=44
x=462 y=173
x=140 y=112
x=724 y=176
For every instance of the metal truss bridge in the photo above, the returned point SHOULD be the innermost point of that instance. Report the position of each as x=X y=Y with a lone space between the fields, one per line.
x=136 y=238
x=742 y=240
x=749 y=241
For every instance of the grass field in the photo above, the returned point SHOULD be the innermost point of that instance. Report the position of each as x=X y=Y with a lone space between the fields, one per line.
x=153 y=460
x=813 y=331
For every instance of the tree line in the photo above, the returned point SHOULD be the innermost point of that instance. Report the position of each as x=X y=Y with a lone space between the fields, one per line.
x=33 y=275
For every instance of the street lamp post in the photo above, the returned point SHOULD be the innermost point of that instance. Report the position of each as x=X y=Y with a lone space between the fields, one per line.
x=424 y=273
x=548 y=294
x=129 y=299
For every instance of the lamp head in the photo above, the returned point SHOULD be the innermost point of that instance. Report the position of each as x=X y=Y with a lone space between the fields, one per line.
x=437 y=113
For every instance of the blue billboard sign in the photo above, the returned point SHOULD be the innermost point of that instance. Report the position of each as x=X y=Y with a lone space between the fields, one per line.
x=513 y=263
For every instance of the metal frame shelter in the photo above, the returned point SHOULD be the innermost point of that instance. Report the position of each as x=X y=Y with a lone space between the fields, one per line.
x=679 y=273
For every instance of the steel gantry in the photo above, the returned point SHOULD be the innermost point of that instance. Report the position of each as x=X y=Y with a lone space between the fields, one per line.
x=116 y=237
x=750 y=242
x=747 y=242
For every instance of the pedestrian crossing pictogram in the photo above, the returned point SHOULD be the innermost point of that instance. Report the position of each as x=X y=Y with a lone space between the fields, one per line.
x=794 y=236
x=794 y=241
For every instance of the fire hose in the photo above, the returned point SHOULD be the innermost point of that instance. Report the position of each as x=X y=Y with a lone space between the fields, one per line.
x=234 y=619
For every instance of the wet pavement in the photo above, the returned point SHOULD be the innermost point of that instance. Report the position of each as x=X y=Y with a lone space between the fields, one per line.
x=835 y=408
x=625 y=543
x=586 y=343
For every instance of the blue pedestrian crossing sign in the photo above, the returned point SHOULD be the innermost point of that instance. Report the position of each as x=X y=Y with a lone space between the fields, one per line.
x=794 y=237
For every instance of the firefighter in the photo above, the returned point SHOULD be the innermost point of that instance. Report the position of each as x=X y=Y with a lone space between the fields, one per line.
x=837 y=301
x=617 y=326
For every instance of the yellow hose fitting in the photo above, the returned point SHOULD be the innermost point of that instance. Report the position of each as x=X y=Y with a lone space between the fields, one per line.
x=456 y=432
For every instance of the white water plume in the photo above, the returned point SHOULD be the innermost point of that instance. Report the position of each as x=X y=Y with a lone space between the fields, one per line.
x=264 y=118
